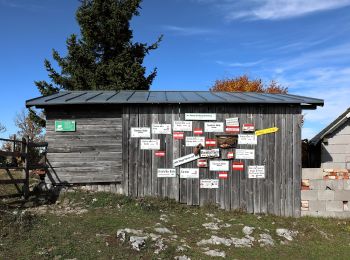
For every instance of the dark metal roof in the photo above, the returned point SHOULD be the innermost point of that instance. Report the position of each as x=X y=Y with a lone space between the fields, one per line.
x=157 y=97
x=339 y=121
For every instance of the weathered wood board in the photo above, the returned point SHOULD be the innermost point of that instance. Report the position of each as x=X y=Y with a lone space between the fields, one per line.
x=277 y=193
x=91 y=154
x=102 y=151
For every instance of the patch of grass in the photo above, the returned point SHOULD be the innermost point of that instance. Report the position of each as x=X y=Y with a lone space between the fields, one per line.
x=92 y=235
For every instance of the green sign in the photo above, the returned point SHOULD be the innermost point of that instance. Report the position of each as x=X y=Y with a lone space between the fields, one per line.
x=65 y=126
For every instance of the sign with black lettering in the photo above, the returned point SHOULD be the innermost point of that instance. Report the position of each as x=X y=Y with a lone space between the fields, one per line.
x=189 y=173
x=211 y=153
x=200 y=116
x=247 y=139
x=245 y=154
x=161 y=129
x=193 y=141
x=213 y=127
x=140 y=132
x=209 y=184
x=150 y=144
x=185 y=159
x=232 y=121
x=256 y=172
x=219 y=166
x=166 y=173
x=182 y=125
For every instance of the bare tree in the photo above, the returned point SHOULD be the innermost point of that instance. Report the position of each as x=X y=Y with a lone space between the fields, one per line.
x=28 y=127
x=2 y=128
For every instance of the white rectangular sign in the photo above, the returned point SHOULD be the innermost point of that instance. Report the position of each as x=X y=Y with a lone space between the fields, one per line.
x=256 y=171
x=140 y=132
x=189 y=173
x=185 y=159
x=245 y=154
x=182 y=126
x=166 y=173
x=150 y=144
x=211 y=153
x=209 y=184
x=247 y=139
x=213 y=127
x=219 y=166
x=161 y=129
x=193 y=141
x=232 y=121
x=200 y=116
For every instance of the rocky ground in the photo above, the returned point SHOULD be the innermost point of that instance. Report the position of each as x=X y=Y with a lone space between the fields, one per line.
x=83 y=225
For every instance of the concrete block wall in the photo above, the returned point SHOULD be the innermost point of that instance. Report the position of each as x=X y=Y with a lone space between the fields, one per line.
x=325 y=193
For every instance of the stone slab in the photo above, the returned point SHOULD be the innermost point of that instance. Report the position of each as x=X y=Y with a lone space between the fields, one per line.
x=309 y=195
x=336 y=206
x=312 y=173
x=346 y=184
x=325 y=195
x=343 y=195
x=317 y=205
x=317 y=184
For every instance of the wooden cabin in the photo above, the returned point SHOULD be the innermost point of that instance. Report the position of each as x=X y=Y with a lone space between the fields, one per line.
x=237 y=150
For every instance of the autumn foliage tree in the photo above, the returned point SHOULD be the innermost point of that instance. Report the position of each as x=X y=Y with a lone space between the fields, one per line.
x=244 y=84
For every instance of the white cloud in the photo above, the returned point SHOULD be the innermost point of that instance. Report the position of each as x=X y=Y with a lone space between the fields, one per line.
x=187 y=31
x=332 y=84
x=322 y=73
x=239 y=64
x=273 y=9
x=28 y=5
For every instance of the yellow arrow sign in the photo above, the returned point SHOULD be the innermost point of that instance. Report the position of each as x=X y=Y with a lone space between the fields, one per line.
x=266 y=131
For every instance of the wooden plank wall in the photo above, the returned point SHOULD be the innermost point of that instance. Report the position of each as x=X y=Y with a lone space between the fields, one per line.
x=278 y=193
x=92 y=154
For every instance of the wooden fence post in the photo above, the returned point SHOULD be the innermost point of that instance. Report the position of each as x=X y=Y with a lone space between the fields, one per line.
x=13 y=149
x=25 y=142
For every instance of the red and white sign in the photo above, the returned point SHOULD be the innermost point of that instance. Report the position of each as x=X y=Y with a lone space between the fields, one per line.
x=248 y=128
x=223 y=175
x=198 y=131
x=210 y=142
x=230 y=155
x=178 y=135
x=202 y=163
x=159 y=153
x=232 y=129
x=238 y=166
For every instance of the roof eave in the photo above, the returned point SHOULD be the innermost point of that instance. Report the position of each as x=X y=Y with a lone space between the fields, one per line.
x=331 y=127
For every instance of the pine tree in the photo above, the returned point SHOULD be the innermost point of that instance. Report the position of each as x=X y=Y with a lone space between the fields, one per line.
x=104 y=57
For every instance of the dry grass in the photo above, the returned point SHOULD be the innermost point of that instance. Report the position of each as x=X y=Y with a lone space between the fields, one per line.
x=84 y=226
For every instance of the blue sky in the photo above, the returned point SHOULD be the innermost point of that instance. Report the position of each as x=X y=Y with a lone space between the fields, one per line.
x=303 y=44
